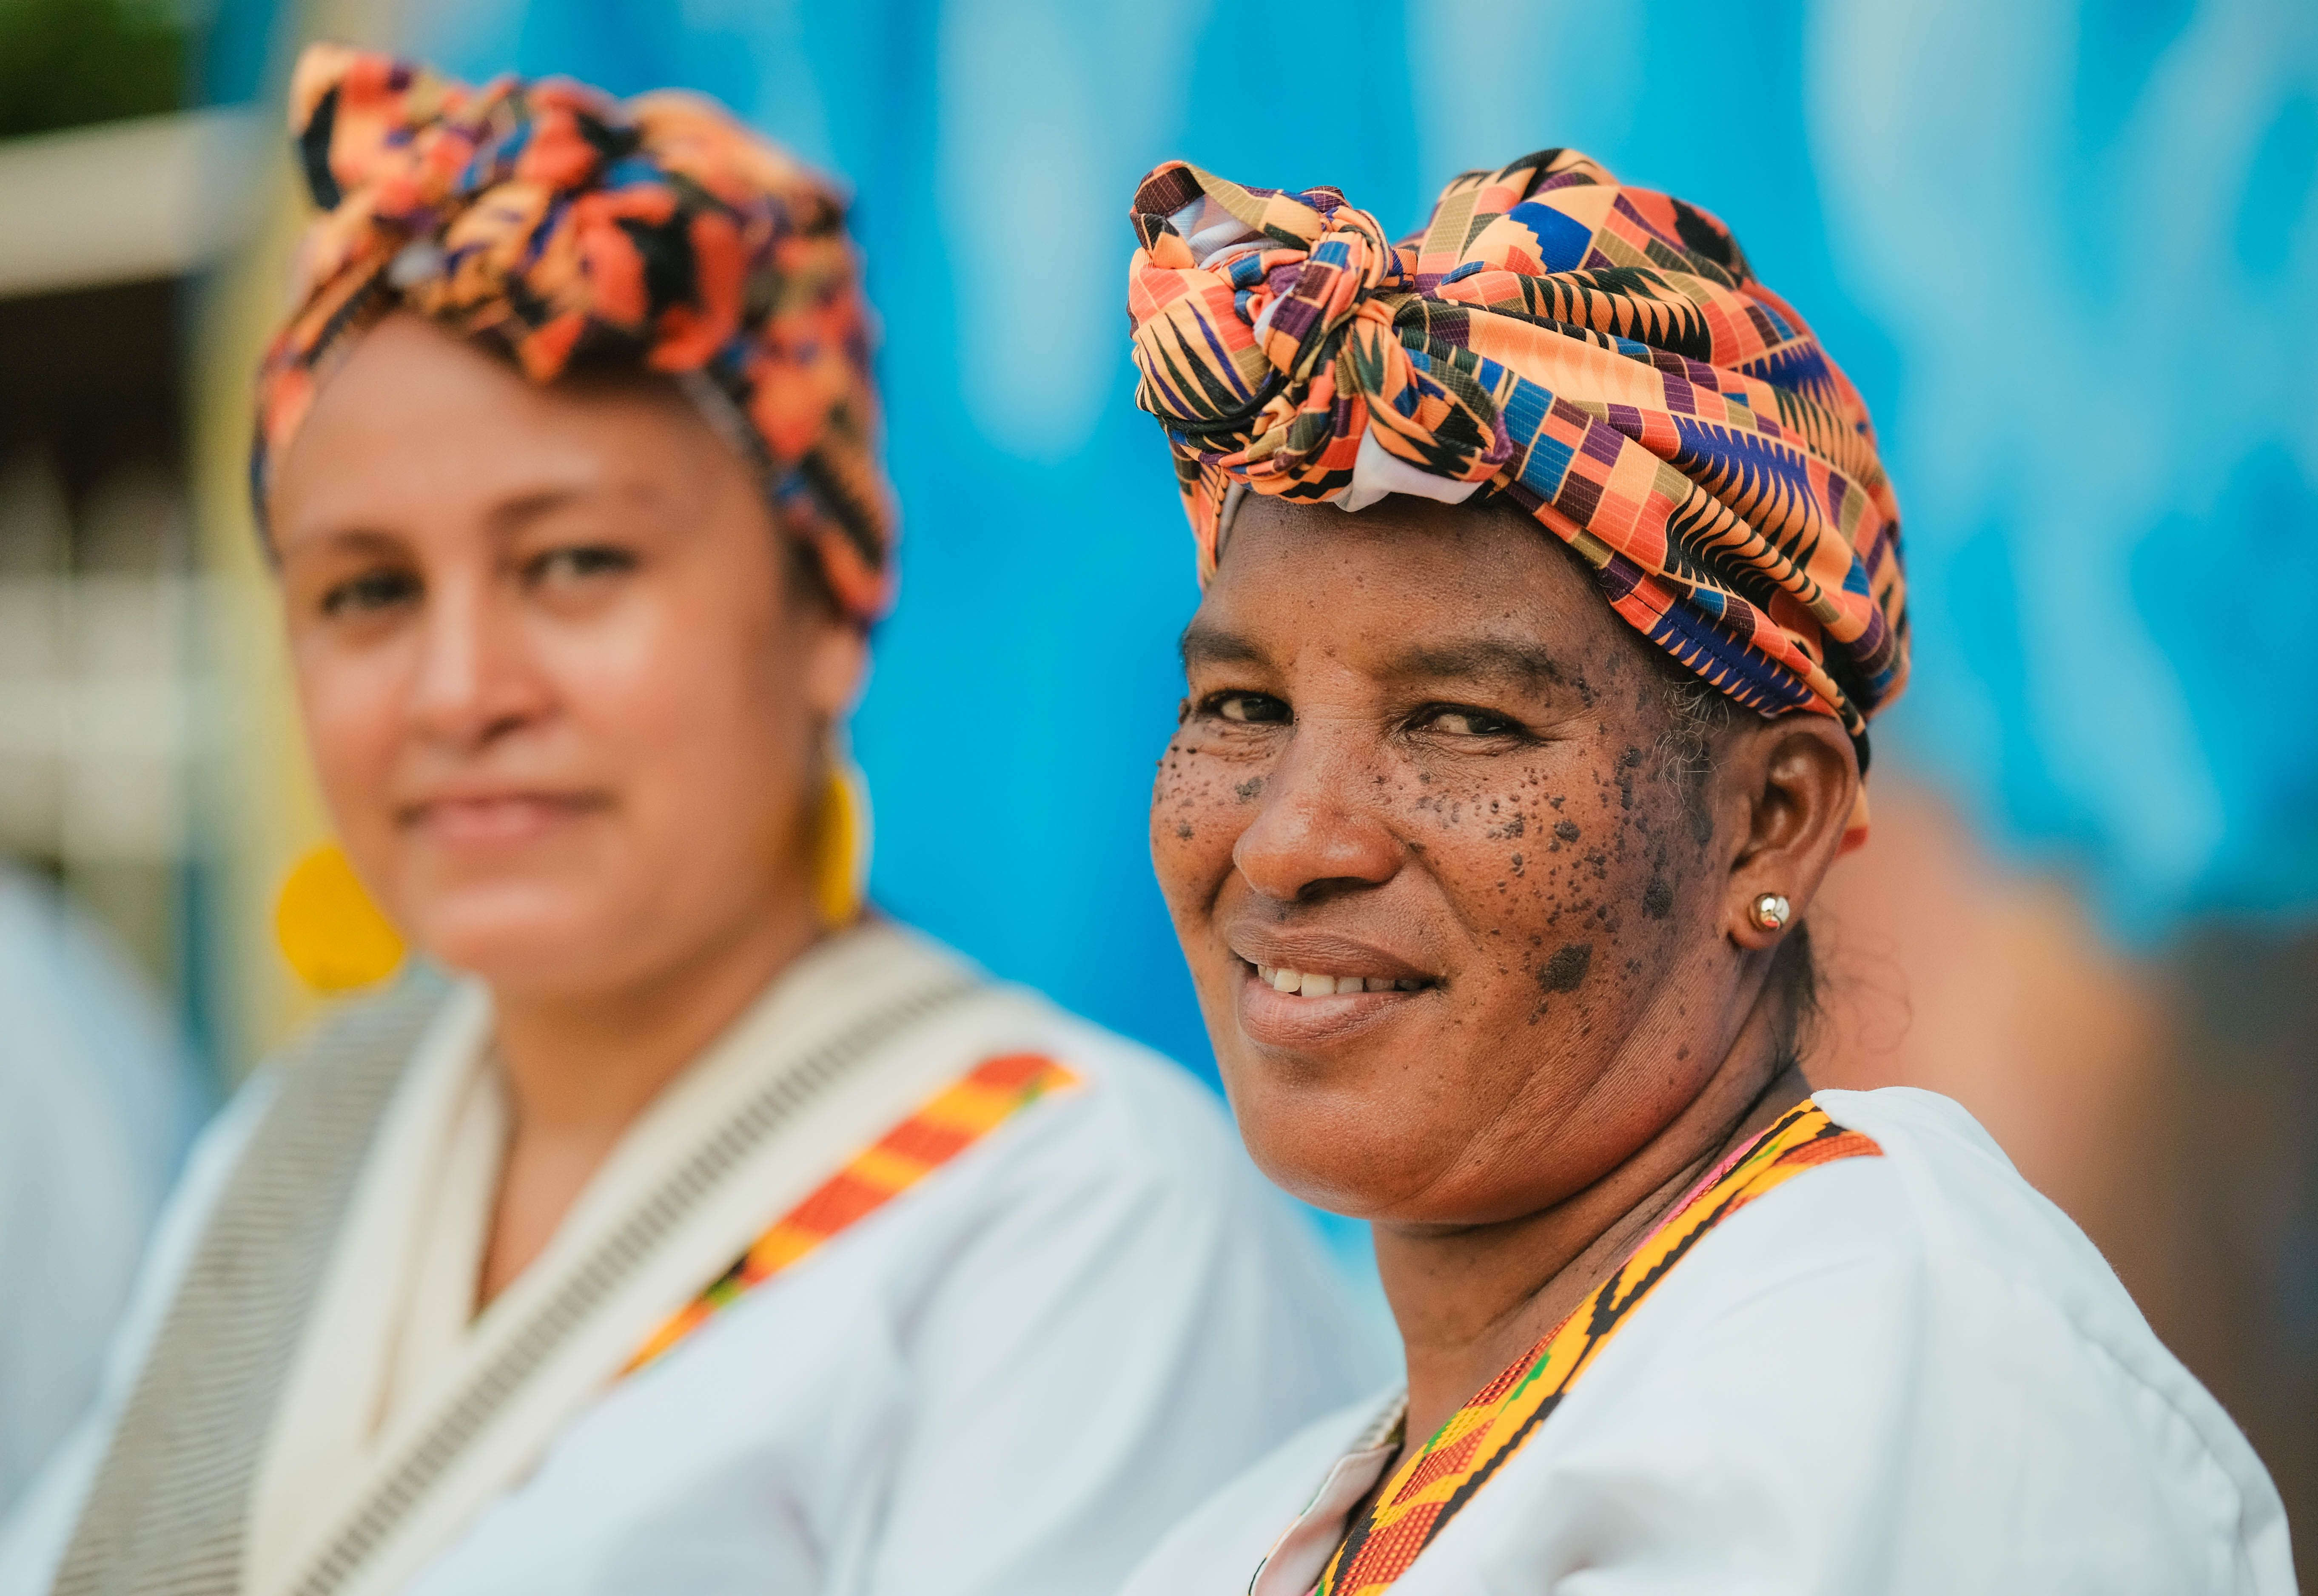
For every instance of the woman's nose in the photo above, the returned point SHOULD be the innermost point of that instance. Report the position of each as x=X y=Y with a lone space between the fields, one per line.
x=1318 y=826
x=473 y=681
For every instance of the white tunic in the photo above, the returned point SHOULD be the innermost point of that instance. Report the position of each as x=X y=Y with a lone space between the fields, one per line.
x=1906 y=1374
x=1010 y=1379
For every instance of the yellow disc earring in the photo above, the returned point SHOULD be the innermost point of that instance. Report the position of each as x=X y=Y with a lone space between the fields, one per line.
x=331 y=931
x=1772 y=911
x=841 y=841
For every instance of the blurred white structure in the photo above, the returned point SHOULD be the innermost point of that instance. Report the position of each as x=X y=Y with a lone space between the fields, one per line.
x=96 y=694
x=128 y=202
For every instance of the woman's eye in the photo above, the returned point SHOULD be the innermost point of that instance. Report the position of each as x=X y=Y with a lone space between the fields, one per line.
x=579 y=563
x=1460 y=721
x=371 y=591
x=1248 y=707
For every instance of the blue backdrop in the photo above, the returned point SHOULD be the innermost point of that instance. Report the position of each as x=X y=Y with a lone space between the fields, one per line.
x=2067 y=247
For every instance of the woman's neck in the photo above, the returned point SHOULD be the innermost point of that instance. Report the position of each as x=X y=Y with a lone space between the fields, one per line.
x=1469 y=1302
x=580 y=1069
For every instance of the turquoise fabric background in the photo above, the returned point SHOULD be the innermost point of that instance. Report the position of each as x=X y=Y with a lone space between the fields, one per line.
x=2069 y=249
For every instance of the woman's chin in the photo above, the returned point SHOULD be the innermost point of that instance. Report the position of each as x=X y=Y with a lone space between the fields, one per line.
x=1320 y=1153
x=516 y=940
x=1358 y=1151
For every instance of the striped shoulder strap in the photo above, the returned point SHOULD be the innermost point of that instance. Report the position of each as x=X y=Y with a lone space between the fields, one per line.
x=937 y=1131
x=1430 y=1487
x=166 y=1514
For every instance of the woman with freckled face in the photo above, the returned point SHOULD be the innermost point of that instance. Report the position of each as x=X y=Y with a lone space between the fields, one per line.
x=675 y=1222
x=1491 y=829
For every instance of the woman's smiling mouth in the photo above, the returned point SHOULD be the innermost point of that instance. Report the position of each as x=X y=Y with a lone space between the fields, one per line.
x=1300 y=1011
x=1309 y=984
x=494 y=819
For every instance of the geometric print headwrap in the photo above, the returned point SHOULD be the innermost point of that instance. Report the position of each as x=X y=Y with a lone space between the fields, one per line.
x=1599 y=356
x=568 y=231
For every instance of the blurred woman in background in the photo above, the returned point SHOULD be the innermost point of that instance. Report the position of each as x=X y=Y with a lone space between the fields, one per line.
x=97 y=1103
x=701 y=1231
x=1491 y=832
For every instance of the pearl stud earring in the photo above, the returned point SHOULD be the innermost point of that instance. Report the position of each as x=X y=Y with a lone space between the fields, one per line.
x=1772 y=911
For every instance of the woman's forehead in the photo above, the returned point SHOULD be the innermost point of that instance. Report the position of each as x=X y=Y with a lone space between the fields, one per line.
x=417 y=422
x=1416 y=587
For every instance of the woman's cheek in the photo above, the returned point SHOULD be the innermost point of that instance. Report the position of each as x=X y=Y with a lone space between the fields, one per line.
x=1175 y=798
x=635 y=672
x=353 y=723
x=1190 y=828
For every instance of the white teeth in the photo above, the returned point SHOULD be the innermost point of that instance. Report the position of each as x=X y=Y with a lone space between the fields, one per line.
x=1327 y=986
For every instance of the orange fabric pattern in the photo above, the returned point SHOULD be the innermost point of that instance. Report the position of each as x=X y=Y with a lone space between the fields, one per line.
x=953 y=1120
x=1598 y=355
x=572 y=231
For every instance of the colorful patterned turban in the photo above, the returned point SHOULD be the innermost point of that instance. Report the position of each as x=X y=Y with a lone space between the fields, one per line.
x=1598 y=354
x=568 y=229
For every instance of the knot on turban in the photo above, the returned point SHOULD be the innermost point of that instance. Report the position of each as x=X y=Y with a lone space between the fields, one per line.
x=569 y=230
x=1600 y=355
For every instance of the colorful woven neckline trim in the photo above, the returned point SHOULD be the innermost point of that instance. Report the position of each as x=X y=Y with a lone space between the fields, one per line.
x=1429 y=1489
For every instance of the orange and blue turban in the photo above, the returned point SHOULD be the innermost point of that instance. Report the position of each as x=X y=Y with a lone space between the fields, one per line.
x=1598 y=354
x=568 y=229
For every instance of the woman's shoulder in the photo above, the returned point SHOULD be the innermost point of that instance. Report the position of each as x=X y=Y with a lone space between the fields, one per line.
x=1939 y=1227
x=1952 y=1219
x=1914 y=1349
x=1129 y=1108
x=32 y=1534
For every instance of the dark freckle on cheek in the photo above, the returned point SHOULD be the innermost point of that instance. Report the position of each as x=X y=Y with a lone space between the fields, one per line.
x=1248 y=789
x=1567 y=830
x=1658 y=898
x=1183 y=832
x=1566 y=967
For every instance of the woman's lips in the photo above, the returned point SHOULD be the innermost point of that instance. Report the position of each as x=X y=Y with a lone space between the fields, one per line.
x=496 y=821
x=1281 y=1007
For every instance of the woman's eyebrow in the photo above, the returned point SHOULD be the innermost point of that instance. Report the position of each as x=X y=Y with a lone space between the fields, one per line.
x=519 y=510
x=1485 y=659
x=515 y=511
x=353 y=541
x=1205 y=644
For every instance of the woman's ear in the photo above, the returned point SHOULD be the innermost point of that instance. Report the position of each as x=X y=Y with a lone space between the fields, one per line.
x=1798 y=778
x=836 y=664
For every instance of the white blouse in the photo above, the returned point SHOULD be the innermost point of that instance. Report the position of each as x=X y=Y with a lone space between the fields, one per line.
x=1899 y=1375
x=1009 y=1380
